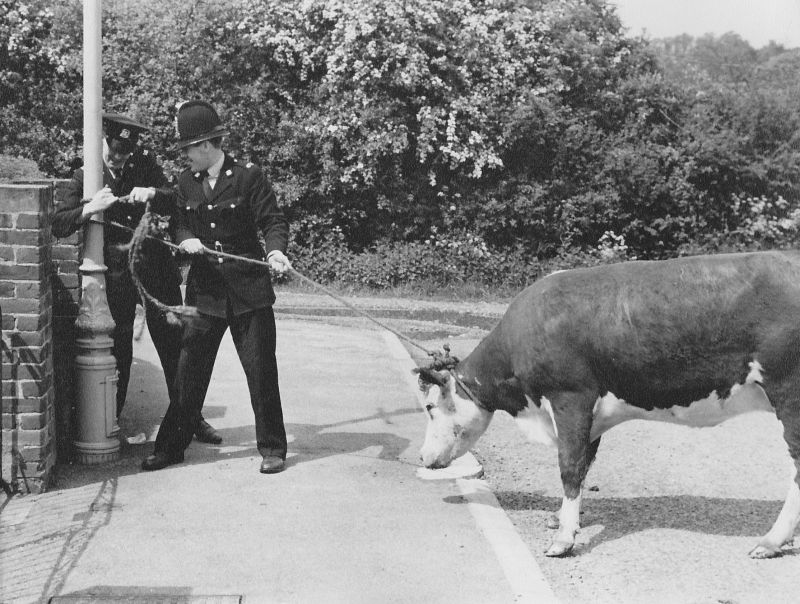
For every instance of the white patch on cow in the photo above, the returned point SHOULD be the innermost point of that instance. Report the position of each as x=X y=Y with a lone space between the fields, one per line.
x=786 y=523
x=456 y=423
x=569 y=517
x=462 y=378
x=755 y=375
x=610 y=411
x=537 y=422
x=569 y=523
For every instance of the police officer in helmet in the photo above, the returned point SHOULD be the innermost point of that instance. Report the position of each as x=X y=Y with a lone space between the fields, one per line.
x=227 y=205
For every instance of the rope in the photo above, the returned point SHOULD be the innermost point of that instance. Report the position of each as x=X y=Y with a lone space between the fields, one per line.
x=292 y=270
x=324 y=289
x=440 y=360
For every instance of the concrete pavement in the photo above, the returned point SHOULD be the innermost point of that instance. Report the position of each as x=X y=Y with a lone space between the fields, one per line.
x=348 y=521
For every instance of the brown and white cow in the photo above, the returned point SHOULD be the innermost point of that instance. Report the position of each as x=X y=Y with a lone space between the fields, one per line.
x=581 y=351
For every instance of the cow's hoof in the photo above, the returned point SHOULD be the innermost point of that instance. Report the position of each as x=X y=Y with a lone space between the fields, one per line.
x=762 y=552
x=559 y=549
x=552 y=521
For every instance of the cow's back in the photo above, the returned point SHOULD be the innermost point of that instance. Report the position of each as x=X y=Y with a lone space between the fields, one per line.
x=657 y=333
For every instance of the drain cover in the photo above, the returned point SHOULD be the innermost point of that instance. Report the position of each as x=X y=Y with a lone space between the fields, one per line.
x=145 y=598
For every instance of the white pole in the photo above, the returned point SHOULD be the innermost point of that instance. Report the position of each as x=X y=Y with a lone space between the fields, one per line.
x=96 y=431
x=92 y=104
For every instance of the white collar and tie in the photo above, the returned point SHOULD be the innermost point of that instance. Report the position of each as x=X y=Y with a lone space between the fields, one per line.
x=213 y=171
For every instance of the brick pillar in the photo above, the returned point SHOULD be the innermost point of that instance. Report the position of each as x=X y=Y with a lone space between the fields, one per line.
x=27 y=449
x=65 y=283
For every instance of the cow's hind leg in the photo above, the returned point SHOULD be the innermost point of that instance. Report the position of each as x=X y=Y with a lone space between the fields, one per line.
x=787 y=406
x=572 y=412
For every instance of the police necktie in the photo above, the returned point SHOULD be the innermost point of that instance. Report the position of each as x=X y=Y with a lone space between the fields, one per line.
x=206 y=186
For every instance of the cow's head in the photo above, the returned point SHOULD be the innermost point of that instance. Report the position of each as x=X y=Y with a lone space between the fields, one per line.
x=455 y=421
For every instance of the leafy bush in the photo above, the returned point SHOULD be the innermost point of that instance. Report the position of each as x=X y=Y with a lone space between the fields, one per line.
x=438 y=262
x=40 y=86
x=763 y=224
x=18 y=168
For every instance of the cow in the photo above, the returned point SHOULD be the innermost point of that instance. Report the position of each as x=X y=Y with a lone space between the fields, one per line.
x=687 y=340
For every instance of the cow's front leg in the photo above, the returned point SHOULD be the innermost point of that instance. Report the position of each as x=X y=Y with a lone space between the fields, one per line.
x=572 y=412
x=553 y=521
x=787 y=406
x=783 y=530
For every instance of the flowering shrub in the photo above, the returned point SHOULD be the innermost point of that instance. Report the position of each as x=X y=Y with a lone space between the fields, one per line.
x=612 y=248
x=400 y=108
x=765 y=222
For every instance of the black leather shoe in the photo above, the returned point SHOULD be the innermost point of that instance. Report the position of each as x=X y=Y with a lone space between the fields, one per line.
x=158 y=461
x=272 y=464
x=205 y=433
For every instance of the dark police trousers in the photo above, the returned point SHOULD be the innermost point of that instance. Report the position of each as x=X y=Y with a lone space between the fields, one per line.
x=253 y=334
x=122 y=299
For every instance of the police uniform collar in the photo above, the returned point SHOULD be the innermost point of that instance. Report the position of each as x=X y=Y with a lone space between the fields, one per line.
x=215 y=169
x=226 y=168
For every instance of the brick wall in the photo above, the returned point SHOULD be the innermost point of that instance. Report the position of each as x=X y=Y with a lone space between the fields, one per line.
x=28 y=446
x=39 y=297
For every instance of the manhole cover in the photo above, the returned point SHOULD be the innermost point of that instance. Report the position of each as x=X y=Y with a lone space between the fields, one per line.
x=145 y=598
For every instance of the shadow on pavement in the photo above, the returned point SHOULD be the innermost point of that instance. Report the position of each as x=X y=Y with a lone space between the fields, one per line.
x=307 y=443
x=147 y=402
x=47 y=548
x=624 y=516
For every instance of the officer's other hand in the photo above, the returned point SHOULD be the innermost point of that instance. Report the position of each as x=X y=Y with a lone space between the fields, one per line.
x=101 y=200
x=192 y=246
x=139 y=194
x=278 y=261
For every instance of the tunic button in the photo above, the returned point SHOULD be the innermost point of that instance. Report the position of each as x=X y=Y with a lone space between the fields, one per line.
x=233 y=205
x=129 y=218
x=210 y=207
x=213 y=225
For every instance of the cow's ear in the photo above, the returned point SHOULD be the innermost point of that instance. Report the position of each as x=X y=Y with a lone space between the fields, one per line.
x=509 y=396
x=430 y=376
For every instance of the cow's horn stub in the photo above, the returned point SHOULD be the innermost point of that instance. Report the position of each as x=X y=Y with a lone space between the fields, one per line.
x=437 y=372
x=429 y=375
x=443 y=360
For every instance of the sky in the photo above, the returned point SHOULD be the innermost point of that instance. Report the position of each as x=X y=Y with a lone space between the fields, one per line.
x=757 y=21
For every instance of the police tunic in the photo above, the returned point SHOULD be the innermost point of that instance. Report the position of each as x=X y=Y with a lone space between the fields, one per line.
x=159 y=272
x=234 y=217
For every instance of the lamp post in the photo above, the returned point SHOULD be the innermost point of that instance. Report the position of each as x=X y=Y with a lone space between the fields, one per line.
x=96 y=431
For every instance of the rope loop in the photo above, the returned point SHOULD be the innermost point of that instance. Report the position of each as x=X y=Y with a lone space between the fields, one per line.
x=153 y=226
